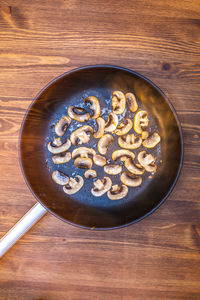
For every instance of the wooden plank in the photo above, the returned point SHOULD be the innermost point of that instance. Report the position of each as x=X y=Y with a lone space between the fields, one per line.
x=157 y=258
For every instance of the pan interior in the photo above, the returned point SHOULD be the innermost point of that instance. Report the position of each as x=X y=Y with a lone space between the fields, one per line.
x=82 y=208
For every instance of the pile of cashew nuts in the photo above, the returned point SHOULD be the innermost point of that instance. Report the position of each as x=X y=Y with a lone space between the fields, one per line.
x=84 y=157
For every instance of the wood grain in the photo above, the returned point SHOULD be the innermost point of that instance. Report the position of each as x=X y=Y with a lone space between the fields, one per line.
x=157 y=258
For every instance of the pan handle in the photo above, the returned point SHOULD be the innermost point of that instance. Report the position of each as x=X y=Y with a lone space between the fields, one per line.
x=21 y=227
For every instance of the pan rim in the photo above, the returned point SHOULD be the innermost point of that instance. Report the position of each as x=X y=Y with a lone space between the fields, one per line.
x=109 y=67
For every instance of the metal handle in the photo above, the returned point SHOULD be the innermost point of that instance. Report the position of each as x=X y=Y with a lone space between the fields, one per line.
x=21 y=227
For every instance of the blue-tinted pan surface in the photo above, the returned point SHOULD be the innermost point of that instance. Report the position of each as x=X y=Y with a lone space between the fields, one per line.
x=83 y=209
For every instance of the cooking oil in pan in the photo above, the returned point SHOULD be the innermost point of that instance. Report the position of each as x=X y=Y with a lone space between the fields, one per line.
x=104 y=97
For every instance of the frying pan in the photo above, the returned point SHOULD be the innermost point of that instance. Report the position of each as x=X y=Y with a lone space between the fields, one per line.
x=82 y=209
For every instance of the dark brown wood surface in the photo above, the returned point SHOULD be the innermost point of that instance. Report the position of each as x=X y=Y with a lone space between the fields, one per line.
x=158 y=258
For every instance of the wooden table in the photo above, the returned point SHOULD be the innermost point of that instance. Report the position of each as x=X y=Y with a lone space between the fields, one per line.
x=157 y=258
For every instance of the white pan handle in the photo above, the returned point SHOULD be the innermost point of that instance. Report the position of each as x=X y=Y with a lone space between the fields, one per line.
x=21 y=227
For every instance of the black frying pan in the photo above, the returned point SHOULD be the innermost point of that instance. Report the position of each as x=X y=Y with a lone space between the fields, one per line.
x=82 y=209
